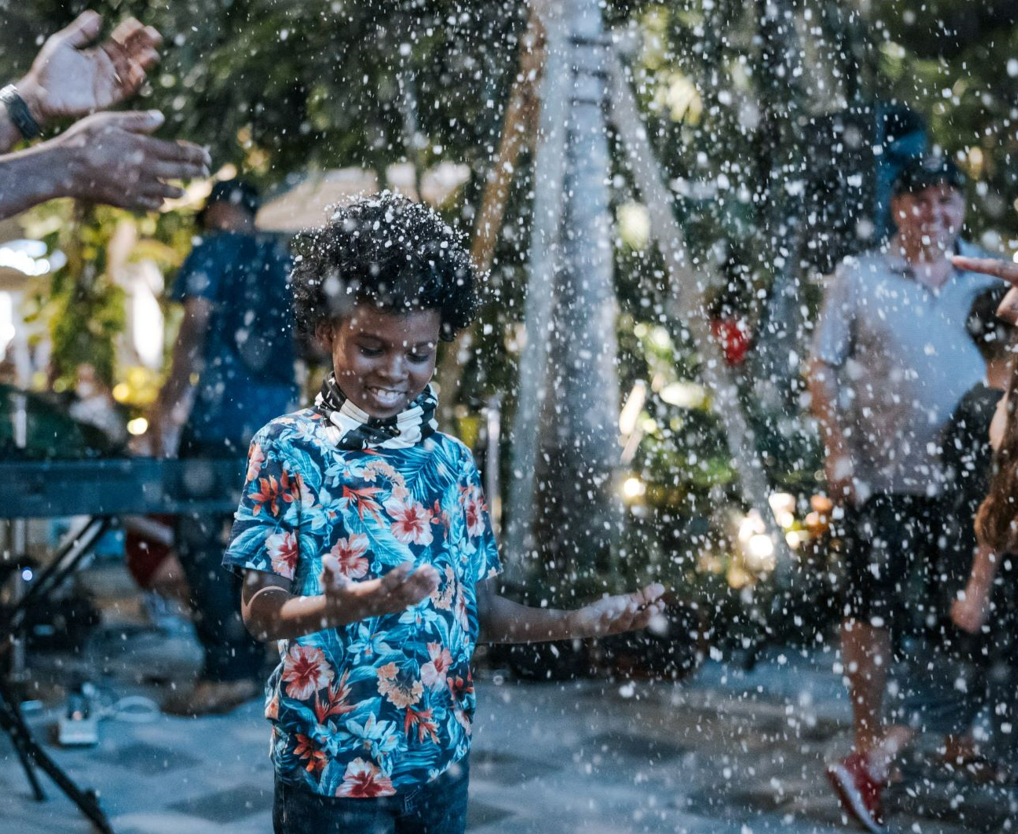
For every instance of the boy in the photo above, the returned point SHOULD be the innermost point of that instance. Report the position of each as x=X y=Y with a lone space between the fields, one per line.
x=366 y=546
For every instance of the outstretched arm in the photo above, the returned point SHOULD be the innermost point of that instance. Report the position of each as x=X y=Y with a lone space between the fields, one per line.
x=105 y=158
x=504 y=621
x=272 y=612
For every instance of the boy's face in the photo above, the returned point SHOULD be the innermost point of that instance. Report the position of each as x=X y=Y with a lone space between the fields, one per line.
x=383 y=360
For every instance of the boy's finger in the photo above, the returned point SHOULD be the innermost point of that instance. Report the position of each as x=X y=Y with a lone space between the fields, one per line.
x=331 y=574
x=422 y=582
x=647 y=615
x=651 y=593
x=427 y=575
x=394 y=578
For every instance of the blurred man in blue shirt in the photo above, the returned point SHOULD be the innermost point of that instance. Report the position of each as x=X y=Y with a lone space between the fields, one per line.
x=236 y=351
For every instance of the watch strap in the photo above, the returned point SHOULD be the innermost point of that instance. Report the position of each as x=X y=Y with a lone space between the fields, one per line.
x=19 y=112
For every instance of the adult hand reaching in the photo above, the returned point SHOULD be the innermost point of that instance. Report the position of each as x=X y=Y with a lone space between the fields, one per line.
x=112 y=159
x=1005 y=270
x=70 y=77
x=105 y=158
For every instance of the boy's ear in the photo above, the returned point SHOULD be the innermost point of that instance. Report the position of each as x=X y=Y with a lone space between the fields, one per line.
x=324 y=333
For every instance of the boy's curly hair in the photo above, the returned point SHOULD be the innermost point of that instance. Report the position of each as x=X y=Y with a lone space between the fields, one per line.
x=387 y=250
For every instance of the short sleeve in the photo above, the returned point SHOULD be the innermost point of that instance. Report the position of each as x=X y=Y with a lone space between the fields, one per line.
x=479 y=529
x=200 y=273
x=833 y=341
x=265 y=535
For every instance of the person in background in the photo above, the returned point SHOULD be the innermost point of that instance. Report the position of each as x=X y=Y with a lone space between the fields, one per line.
x=891 y=361
x=996 y=531
x=104 y=157
x=235 y=349
x=966 y=458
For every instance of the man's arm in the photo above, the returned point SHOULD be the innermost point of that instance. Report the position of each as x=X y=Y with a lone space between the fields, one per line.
x=105 y=158
x=823 y=389
x=31 y=177
x=504 y=621
x=183 y=363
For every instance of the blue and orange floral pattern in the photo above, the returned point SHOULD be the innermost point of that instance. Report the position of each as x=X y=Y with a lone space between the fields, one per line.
x=385 y=704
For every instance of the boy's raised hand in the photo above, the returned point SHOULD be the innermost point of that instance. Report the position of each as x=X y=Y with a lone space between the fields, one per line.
x=348 y=601
x=624 y=612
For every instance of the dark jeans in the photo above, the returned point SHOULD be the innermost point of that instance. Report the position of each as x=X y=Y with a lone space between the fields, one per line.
x=230 y=652
x=440 y=807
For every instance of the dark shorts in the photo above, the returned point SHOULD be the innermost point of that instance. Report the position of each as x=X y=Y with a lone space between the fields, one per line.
x=893 y=555
x=440 y=807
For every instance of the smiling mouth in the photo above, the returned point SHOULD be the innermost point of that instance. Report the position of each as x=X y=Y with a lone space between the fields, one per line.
x=388 y=396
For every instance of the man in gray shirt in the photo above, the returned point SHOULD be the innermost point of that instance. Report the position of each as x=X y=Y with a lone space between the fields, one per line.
x=891 y=360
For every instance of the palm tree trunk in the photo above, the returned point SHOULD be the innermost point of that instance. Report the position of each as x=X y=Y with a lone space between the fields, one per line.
x=549 y=182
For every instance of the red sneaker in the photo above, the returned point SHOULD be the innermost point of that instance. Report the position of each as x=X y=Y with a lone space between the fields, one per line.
x=858 y=791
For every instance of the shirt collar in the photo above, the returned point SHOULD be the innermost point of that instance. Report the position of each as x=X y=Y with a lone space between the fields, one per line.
x=353 y=428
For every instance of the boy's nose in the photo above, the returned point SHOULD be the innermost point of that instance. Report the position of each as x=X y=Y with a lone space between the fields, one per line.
x=393 y=368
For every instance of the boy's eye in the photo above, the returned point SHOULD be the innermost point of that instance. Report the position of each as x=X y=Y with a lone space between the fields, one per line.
x=419 y=357
x=369 y=351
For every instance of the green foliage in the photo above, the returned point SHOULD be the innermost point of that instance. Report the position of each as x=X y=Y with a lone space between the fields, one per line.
x=83 y=306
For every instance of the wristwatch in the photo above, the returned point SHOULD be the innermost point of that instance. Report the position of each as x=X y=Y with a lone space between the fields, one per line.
x=19 y=113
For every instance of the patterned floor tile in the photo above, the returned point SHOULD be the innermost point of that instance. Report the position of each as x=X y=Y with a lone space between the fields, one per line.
x=225 y=806
x=148 y=759
x=480 y=815
x=506 y=768
x=648 y=750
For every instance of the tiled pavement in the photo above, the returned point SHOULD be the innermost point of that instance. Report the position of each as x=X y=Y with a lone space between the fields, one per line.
x=724 y=752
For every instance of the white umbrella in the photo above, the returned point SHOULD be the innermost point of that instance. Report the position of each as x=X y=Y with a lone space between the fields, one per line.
x=304 y=205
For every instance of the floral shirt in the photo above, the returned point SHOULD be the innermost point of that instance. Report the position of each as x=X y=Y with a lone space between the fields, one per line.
x=382 y=705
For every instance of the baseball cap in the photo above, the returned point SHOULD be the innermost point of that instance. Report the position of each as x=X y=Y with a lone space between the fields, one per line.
x=921 y=172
